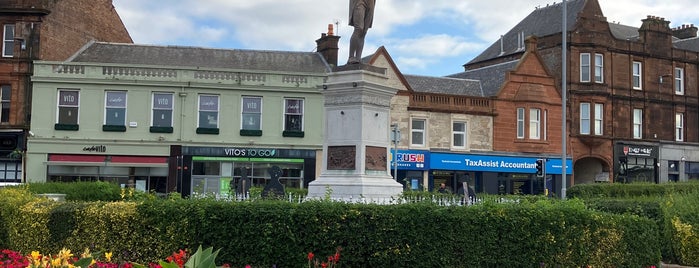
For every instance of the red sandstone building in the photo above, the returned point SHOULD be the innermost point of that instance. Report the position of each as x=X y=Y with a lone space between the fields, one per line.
x=41 y=30
x=632 y=106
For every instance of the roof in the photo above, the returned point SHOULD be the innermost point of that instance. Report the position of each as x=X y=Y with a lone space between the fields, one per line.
x=445 y=85
x=542 y=21
x=279 y=61
x=491 y=77
x=691 y=44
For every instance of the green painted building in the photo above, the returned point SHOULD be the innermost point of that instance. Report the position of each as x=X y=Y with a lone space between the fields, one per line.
x=171 y=118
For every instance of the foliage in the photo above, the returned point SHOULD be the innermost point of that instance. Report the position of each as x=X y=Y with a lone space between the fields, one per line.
x=621 y=190
x=77 y=191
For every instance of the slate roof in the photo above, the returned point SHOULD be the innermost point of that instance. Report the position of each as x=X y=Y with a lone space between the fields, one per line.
x=445 y=85
x=541 y=22
x=691 y=44
x=491 y=77
x=184 y=56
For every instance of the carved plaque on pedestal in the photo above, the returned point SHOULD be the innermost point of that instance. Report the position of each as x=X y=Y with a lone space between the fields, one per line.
x=375 y=158
x=341 y=157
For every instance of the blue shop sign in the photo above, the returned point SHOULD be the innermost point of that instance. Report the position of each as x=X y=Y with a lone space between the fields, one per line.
x=491 y=163
x=412 y=160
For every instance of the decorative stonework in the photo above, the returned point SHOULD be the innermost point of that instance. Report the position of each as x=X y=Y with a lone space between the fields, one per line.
x=375 y=158
x=144 y=72
x=341 y=157
x=358 y=99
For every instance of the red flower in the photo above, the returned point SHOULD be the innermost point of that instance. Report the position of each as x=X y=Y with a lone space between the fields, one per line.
x=324 y=265
x=310 y=255
x=337 y=256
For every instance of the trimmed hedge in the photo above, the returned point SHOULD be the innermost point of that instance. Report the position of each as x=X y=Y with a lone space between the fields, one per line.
x=267 y=233
x=622 y=190
x=78 y=191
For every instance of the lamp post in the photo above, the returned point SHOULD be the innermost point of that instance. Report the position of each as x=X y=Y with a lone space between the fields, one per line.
x=395 y=138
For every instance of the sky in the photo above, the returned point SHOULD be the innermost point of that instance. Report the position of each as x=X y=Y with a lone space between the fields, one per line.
x=424 y=37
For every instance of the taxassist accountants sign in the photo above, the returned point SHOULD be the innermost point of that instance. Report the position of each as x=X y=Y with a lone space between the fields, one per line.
x=491 y=163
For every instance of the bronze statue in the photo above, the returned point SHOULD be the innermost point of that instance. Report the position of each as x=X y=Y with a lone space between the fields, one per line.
x=361 y=16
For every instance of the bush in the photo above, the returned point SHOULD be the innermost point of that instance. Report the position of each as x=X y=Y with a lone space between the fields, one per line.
x=621 y=190
x=78 y=191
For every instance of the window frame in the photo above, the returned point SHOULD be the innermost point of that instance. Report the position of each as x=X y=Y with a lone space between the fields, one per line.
x=58 y=106
x=5 y=103
x=637 y=75
x=585 y=118
x=107 y=106
x=287 y=113
x=637 y=124
x=520 y=123
x=679 y=81
x=679 y=126
x=462 y=133
x=599 y=119
x=422 y=131
x=200 y=110
x=8 y=42
x=585 y=68
x=256 y=111
x=164 y=107
x=599 y=68
x=534 y=123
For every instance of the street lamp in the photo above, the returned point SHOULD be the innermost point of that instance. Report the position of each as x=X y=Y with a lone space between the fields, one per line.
x=395 y=138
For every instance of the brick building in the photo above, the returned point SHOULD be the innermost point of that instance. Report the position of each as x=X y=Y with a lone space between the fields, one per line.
x=41 y=30
x=632 y=92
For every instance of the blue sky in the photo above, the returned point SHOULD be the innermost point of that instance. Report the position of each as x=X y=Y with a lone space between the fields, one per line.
x=424 y=37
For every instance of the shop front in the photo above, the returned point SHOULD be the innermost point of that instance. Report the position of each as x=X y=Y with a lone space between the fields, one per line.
x=496 y=174
x=636 y=162
x=411 y=166
x=225 y=170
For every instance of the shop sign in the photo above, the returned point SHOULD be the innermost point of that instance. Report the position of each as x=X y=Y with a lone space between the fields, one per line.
x=411 y=159
x=467 y=162
x=95 y=148
x=637 y=151
x=250 y=152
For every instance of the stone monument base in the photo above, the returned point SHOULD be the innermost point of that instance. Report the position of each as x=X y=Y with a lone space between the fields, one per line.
x=373 y=189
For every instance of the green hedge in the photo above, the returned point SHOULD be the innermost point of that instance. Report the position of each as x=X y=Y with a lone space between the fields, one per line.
x=622 y=190
x=78 y=191
x=265 y=233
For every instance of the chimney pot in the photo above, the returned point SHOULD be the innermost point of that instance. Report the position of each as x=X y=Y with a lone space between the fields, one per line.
x=330 y=29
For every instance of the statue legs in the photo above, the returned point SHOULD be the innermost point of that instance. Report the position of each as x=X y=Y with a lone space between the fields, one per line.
x=357 y=39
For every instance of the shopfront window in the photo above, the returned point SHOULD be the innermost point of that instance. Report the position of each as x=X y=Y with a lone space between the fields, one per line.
x=692 y=170
x=224 y=177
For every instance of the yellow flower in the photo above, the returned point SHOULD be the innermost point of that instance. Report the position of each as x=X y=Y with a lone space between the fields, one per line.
x=108 y=255
x=56 y=262
x=65 y=254
x=35 y=255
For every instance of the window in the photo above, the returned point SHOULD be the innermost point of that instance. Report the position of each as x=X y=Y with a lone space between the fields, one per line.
x=208 y=111
x=520 y=123
x=599 y=118
x=679 y=126
x=585 y=67
x=637 y=123
x=417 y=132
x=115 y=108
x=599 y=68
x=10 y=171
x=6 y=92
x=163 y=104
x=293 y=115
x=251 y=113
x=8 y=40
x=534 y=123
x=679 y=81
x=637 y=70
x=68 y=104
x=585 y=118
x=459 y=134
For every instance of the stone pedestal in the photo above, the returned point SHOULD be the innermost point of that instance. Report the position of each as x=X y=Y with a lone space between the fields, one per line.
x=356 y=146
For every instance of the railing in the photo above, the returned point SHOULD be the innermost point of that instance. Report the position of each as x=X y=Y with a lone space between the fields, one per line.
x=446 y=103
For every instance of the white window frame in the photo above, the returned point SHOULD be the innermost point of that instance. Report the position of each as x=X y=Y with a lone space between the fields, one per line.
x=599 y=119
x=8 y=41
x=422 y=131
x=218 y=109
x=585 y=71
x=302 y=113
x=107 y=106
x=244 y=112
x=637 y=75
x=534 y=123
x=459 y=135
x=679 y=81
x=599 y=68
x=6 y=102
x=155 y=107
x=637 y=123
x=585 y=118
x=58 y=106
x=520 y=123
x=679 y=127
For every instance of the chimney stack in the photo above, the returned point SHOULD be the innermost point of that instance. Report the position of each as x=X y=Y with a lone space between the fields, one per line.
x=685 y=31
x=327 y=46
